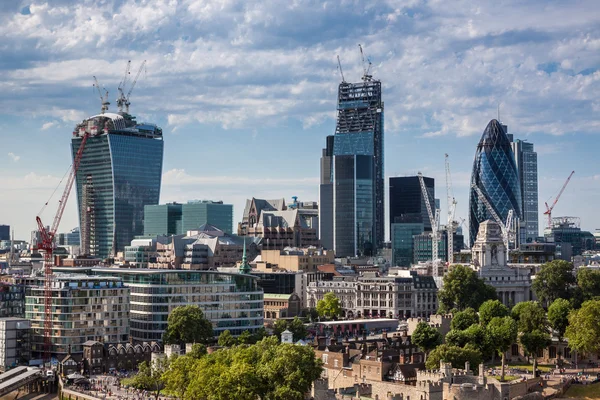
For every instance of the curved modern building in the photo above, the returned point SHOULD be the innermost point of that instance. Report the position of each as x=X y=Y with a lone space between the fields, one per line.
x=495 y=173
x=119 y=174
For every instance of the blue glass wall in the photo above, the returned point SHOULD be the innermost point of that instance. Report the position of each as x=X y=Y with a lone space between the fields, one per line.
x=126 y=174
x=495 y=173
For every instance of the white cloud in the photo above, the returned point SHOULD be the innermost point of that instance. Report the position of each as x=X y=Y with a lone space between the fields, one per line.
x=179 y=177
x=14 y=157
x=49 y=125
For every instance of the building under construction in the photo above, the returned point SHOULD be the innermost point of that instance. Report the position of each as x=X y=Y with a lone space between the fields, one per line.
x=352 y=184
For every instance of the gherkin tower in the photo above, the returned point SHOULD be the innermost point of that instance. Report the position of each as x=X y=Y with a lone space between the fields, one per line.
x=495 y=173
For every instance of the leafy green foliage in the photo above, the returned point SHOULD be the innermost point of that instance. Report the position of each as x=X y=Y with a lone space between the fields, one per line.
x=330 y=306
x=464 y=319
x=245 y=338
x=583 y=331
x=226 y=339
x=588 y=281
x=178 y=376
x=426 y=337
x=198 y=351
x=187 y=324
x=296 y=326
x=491 y=309
x=530 y=316
x=502 y=333
x=558 y=316
x=455 y=355
x=267 y=370
x=457 y=338
x=554 y=280
x=149 y=376
x=534 y=341
x=463 y=289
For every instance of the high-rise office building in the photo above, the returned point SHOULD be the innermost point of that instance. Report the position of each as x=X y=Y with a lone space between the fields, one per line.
x=355 y=190
x=326 y=197
x=526 y=161
x=176 y=219
x=407 y=203
x=495 y=173
x=4 y=232
x=120 y=173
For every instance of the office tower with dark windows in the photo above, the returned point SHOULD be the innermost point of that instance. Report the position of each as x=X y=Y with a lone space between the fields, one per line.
x=119 y=174
x=355 y=189
x=4 y=232
x=526 y=161
x=407 y=204
x=495 y=173
x=326 y=197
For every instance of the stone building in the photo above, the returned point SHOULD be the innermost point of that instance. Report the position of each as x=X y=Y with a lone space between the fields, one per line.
x=293 y=259
x=281 y=306
x=513 y=285
x=404 y=295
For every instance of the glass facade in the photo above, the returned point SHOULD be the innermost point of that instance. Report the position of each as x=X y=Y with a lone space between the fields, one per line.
x=229 y=301
x=162 y=220
x=407 y=204
x=121 y=167
x=526 y=160
x=402 y=242
x=495 y=173
x=197 y=213
x=355 y=160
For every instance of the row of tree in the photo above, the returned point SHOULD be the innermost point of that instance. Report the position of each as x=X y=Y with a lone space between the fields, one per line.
x=266 y=370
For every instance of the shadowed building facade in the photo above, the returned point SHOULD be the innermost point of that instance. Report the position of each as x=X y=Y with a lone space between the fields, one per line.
x=495 y=173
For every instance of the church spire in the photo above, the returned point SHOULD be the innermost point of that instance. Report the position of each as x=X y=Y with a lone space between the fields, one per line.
x=245 y=268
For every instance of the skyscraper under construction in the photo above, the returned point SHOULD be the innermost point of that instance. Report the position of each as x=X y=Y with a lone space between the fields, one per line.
x=352 y=180
x=120 y=173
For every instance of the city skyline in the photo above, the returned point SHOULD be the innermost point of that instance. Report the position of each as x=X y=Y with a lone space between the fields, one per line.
x=264 y=94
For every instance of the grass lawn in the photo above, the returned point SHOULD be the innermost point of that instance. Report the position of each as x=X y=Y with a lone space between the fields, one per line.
x=584 y=391
x=508 y=378
x=529 y=367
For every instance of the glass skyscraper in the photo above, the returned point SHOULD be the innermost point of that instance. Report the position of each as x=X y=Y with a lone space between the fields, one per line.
x=407 y=204
x=495 y=173
x=177 y=219
x=355 y=190
x=526 y=161
x=120 y=173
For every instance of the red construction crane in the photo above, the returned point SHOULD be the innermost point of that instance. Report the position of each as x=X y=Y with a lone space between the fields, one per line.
x=548 y=211
x=47 y=246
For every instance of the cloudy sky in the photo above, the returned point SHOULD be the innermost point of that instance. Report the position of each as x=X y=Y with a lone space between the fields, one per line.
x=245 y=91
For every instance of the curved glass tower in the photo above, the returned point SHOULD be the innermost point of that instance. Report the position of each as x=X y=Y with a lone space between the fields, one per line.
x=495 y=173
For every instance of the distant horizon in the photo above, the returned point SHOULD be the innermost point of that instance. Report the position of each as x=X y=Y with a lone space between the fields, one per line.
x=246 y=93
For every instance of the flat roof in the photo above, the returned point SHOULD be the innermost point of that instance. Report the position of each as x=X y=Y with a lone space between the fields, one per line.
x=359 y=321
x=18 y=378
x=277 y=296
x=146 y=271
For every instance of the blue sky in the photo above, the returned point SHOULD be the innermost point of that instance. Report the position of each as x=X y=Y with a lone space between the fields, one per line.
x=245 y=91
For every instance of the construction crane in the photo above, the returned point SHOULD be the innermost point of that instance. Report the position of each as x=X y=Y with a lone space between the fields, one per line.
x=549 y=209
x=451 y=201
x=127 y=103
x=366 y=66
x=121 y=98
x=434 y=219
x=47 y=247
x=506 y=227
x=340 y=67
x=103 y=97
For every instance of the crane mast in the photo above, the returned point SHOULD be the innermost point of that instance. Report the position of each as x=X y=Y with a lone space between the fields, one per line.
x=47 y=247
x=549 y=209
x=434 y=220
x=127 y=103
x=506 y=227
x=451 y=201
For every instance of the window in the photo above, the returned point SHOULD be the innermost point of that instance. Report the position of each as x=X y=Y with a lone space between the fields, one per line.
x=335 y=363
x=324 y=358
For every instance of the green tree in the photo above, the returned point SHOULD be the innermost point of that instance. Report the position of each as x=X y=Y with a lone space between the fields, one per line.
x=426 y=337
x=502 y=333
x=558 y=317
x=259 y=335
x=296 y=326
x=226 y=339
x=491 y=309
x=583 y=331
x=530 y=315
x=198 y=351
x=330 y=306
x=464 y=319
x=457 y=338
x=246 y=338
x=266 y=370
x=588 y=281
x=149 y=376
x=463 y=289
x=457 y=356
x=534 y=341
x=187 y=324
x=554 y=280
x=178 y=376
x=478 y=338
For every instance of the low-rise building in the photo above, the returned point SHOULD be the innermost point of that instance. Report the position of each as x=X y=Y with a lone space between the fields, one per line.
x=281 y=306
x=15 y=345
x=293 y=259
x=403 y=295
